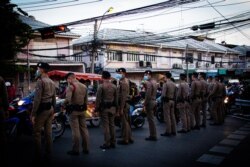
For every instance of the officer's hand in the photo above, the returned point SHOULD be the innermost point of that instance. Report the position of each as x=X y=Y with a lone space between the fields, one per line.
x=33 y=120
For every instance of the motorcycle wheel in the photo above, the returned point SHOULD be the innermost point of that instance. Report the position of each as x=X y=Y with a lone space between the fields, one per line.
x=159 y=115
x=138 y=121
x=95 y=122
x=58 y=127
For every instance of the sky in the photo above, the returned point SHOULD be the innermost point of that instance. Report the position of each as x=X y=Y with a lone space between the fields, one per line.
x=56 y=12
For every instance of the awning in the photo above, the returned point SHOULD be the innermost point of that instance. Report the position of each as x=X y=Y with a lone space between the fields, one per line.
x=222 y=71
x=212 y=73
x=190 y=71
x=59 y=75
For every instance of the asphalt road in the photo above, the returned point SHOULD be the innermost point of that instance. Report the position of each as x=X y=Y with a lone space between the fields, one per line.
x=224 y=145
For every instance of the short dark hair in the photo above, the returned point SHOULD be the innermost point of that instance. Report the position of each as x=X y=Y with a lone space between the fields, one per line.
x=182 y=76
x=44 y=66
x=168 y=74
x=203 y=75
x=195 y=74
x=106 y=75
x=69 y=74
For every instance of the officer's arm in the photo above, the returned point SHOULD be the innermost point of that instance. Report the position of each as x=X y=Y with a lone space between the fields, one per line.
x=69 y=93
x=148 y=92
x=54 y=98
x=192 y=89
x=179 y=91
x=37 y=97
x=116 y=98
x=215 y=87
x=86 y=96
x=163 y=93
x=125 y=93
x=98 y=98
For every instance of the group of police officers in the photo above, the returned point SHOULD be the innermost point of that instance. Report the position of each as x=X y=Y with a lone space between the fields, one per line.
x=113 y=100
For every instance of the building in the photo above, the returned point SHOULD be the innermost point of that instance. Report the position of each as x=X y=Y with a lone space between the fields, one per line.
x=138 y=51
x=56 y=51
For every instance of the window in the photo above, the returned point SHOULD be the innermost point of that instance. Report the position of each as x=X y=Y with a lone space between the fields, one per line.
x=133 y=57
x=149 y=58
x=114 y=56
x=199 y=57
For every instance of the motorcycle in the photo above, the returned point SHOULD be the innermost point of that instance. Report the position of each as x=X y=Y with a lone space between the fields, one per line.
x=19 y=121
x=136 y=114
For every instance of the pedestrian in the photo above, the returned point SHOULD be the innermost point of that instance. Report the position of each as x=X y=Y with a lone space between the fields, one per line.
x=204 y=90
x=168 y=99
x=43 y=110
x=106 y=105
x=195 y=96
x=150 y=104
x=183 y=104
x=76 y=104
x=3 y=116
x=123 y=107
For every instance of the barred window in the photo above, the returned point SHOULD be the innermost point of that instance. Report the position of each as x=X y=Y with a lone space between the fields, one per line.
x=150 y=58
x=114 y=56
x=133 y=57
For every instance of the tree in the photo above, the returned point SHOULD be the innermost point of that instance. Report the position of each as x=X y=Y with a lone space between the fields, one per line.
x=14 y=34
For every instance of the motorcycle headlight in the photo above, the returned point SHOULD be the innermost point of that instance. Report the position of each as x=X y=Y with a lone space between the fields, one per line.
x=20 y=102
x=226 y=100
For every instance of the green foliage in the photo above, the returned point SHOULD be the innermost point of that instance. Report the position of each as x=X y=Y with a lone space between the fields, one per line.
x=14 y=34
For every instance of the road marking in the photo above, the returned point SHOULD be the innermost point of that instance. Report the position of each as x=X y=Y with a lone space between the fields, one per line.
x=239 y=132
x=230 y=142
x=221 y=149
x=211 y=159
x=239 y=137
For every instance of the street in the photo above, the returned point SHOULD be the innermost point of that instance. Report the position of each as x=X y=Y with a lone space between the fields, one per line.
x=211 y=146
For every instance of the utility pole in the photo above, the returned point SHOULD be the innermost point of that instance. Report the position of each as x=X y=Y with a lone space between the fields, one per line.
x=94 y=48
x=28 y=65
x=186 y=58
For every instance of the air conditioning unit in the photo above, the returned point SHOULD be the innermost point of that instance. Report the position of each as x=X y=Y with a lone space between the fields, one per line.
x=217 y=65
x=208 y=64
x=141 y=64
x=199 y=64
x=148 y=64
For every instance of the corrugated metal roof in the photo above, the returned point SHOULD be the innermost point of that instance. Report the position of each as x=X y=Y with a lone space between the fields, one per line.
x=141 y=37
x=35 y=24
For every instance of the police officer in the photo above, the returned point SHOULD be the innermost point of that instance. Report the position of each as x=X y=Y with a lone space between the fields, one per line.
x=216 y=97
x=204 y=90
x=168 y=99
x=76 y=104
x=150 y=104
x=3 y=113
x=183 y=104
x=222 y=90
x=43 y=109
x=195 y=96
x=123 y=106
x=106 y=105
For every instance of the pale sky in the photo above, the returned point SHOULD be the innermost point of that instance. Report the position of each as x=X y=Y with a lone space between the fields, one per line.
x=160 y=21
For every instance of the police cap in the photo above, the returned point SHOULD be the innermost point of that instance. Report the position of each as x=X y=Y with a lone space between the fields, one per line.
x=106 y=75
x=43 y=65
x=182 y=75
x=121 y=70
x=69 y=74
x=148 y=72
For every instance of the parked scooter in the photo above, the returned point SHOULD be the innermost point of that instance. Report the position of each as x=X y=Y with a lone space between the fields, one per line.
x=19 y=119
x=159 y=110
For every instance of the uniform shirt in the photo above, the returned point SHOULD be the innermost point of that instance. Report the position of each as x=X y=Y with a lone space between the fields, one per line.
x=195 y=89
x=215 y=91
x=204 y=88
x=45 y=92
x=169 y=90
x=222 y=90
x=151 y=90
x=76 y=93
x=106 y=92
x=123 y=92
x=3 y=95
x=183 y=91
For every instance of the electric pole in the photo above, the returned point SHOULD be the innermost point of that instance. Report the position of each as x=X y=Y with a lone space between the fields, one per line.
x=186 y=57
x=94 y=48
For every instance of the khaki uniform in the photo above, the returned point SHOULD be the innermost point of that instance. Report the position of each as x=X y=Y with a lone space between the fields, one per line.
x=106 y=104
x=3 y=107
x=183 y=105
x=150 y=104
x=209 y=102
x=43 y=109
x=168 y=99
x=195 y=97
x=76 y=94
x=123 y=106
x=204 y=91
x=216 y=99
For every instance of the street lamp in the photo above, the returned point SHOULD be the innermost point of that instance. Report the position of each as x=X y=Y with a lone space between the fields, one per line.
x=94 y=49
